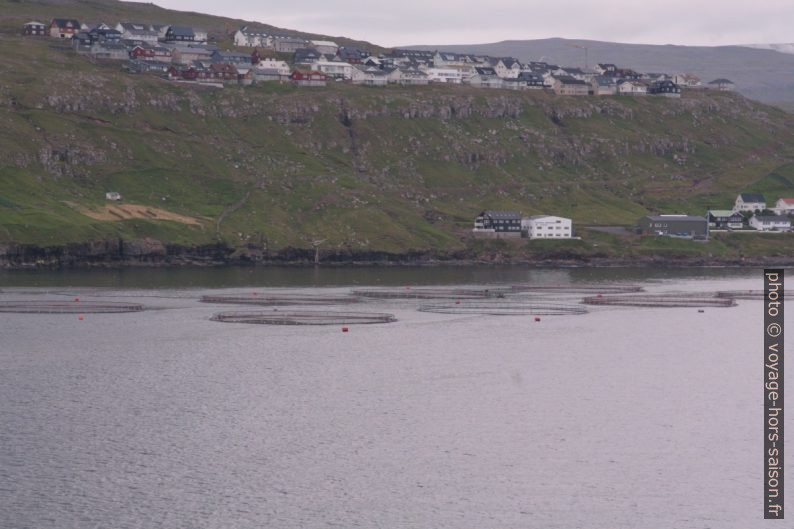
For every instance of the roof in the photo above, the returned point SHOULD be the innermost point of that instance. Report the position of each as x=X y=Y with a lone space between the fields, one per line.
x=752 y=197
x=722 y=213
x=324 y=43
x=181 y=31
x=721 y=81
x=485 y=70
x=788 y=200
x=493 y=214
x=65 y=22
x=772 y=218
x=567 y=79
x=668 y=218
x=33 y=23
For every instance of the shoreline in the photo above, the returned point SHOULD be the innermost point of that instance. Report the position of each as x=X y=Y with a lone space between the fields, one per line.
x=137 y=254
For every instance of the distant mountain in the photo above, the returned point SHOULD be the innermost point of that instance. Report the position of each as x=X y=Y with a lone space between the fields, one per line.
x=762 y=74
x=782 y=48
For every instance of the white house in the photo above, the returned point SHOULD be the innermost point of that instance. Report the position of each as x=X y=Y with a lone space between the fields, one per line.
x=687 y=79
x=443 y=75
x=336 y=69
x=138 y=32
x=785 y=206
x=631 y=88
x=253 y=39
x=325 y=46
x=368 y=75
x=546 y=227
x=749 y=202
x=273 y=64
x=770 y=222
x=507 y=68
x=113 y=195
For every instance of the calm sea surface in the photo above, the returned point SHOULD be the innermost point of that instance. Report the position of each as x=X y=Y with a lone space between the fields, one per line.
x=618 y=418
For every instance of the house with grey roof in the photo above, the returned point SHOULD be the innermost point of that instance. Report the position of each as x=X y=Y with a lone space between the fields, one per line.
x=498 y=223
x=138 y=32
x=749 y=202
x=770 y=222
x=722 y=85
x=180 y=34
x=722 y=219
x=246 y=37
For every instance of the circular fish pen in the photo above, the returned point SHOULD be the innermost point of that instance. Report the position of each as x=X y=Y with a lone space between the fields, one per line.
x=67 y=307
x=433 y=293
x=748 y=294
x=662 y=300
x=577 y=289
x=505 y=309
x=303 y=317
x=280 y=300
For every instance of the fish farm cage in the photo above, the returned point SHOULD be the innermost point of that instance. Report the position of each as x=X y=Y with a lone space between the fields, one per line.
x=280 y=299
x=433 y=293
x=67 y=307
x=303 y=317
x=685 y=299
x=749 y=294
x=577 y=289
x=505 y=309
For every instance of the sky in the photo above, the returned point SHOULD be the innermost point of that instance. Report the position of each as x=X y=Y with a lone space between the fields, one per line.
x=414 y=22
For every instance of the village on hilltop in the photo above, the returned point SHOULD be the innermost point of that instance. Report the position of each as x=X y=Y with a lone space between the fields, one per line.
x=187 y=54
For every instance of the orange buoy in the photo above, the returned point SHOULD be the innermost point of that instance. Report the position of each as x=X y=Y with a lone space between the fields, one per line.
x=344 y=329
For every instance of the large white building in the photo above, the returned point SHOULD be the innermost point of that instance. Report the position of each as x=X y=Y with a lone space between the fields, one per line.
x=546 y=227
x=770 y=222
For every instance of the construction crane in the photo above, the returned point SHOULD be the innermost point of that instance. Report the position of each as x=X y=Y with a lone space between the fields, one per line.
x=585 y=52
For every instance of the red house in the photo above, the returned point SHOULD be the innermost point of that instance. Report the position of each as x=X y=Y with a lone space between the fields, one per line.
x=311 y=78
x=64 y=28
x=223 y=72
x=139 y=52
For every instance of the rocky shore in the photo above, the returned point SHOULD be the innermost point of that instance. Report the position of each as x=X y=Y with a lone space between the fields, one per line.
x=154 y=253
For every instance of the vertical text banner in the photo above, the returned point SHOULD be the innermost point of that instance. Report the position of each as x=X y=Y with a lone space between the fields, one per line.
x=773 y=394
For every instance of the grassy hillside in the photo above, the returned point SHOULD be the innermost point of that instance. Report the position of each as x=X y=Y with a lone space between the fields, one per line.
x=393 y=169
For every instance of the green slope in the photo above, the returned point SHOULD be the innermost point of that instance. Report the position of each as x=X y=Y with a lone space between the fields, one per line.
x=392 y=169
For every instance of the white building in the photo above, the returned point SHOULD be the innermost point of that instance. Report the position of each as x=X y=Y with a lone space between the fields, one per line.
x=632 y=88
x=507 y=68
x=336 y=69
x=749 y=202
x=325 y=46
x=785 y=206
x=368 y=75
x=546 y=227
x=273 y=64
x=770 y=222
x=444 y=75
x=113 y=195
x=252 y=39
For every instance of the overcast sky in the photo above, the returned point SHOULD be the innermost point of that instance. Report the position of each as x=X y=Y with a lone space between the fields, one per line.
x=690 y=22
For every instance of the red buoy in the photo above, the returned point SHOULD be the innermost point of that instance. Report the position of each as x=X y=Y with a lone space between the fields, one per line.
x=80 y=317
x=537 y=318
x=344 y=329
x=77 y=299
x=457 y=302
